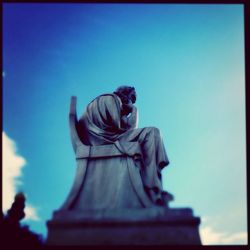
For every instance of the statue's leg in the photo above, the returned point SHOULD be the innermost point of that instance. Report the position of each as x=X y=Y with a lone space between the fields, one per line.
x=154 y=158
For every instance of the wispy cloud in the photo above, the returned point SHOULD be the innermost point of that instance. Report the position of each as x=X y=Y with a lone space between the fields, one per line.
x=31 y=213
x=211 y=236
x=12 y=170
x=236 y=238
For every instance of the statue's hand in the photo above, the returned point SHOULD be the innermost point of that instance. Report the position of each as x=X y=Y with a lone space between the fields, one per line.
x=127 y=108
x=133 y=118
x=134 y=110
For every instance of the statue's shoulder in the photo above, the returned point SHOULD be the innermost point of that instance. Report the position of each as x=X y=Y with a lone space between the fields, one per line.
x=104 y=96
x=108 y=94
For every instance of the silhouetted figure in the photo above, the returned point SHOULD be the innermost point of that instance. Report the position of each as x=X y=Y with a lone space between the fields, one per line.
x=13 y=232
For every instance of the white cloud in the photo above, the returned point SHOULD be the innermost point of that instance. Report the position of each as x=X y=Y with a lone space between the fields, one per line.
x=30 y=213
x=237 y=238
x=12 y=170
x=210 y=236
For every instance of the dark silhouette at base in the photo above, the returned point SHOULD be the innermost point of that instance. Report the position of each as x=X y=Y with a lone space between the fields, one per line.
x=13 y=232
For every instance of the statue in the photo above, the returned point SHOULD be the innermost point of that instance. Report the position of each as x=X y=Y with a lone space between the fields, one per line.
x=132 y=180
x=117 y=196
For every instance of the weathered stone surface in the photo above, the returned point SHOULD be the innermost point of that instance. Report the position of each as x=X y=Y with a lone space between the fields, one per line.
x=156 y=226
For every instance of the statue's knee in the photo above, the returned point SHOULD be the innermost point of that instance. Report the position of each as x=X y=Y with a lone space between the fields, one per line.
x=153 y=130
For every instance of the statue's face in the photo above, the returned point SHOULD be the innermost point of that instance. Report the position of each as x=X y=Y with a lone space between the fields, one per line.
x=132 y=96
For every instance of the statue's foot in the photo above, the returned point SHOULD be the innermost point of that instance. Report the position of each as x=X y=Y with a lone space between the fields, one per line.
x=160 y=202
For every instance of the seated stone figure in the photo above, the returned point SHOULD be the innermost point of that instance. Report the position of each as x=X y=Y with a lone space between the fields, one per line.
x=130 y=178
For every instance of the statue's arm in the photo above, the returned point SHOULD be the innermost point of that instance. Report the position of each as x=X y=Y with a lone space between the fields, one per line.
x=132 y=120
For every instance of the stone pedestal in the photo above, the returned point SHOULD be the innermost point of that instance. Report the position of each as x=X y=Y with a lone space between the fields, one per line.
x=154 y=226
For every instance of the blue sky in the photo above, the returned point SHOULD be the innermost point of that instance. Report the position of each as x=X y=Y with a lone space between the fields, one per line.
x=187 y=65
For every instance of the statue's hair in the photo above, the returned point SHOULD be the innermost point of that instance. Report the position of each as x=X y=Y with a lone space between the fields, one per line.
x=123 y=92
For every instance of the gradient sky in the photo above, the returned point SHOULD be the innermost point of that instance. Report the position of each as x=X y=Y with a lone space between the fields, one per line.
x=187 y=65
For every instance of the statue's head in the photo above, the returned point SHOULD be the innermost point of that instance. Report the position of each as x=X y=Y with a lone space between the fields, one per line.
x=126 y=93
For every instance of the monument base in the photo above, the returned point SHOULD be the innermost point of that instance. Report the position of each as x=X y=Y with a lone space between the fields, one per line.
x=156 y=226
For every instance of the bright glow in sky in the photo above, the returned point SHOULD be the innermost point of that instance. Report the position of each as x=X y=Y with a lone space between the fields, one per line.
x=187 y=65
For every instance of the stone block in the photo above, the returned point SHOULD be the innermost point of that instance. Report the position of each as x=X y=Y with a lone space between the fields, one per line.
x=159 y=226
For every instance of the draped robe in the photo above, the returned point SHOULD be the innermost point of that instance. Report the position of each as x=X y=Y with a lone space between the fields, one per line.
x=129 y=181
